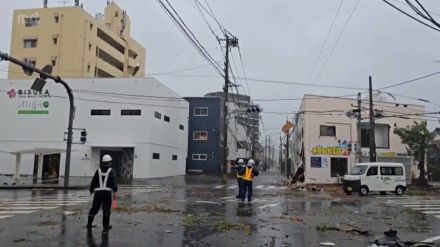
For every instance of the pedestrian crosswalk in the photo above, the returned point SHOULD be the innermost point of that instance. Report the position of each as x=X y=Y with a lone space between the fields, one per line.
x=429 y=206
x=256 y=187
x=28 y=205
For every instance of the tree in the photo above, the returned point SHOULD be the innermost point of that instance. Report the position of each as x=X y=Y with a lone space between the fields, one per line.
x=417 y=138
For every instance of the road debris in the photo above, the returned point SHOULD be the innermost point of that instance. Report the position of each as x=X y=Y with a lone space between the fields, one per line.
x=288 y=218
x=324 y=228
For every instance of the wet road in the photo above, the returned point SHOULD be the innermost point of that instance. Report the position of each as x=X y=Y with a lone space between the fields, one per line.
x=200 y=211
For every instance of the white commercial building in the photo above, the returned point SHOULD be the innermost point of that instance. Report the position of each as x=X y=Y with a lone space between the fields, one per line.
x=141 y=123
x=326 y=137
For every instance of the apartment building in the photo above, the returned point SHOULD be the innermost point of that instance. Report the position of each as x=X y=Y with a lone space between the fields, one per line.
x=326 y=136
x=75 y=43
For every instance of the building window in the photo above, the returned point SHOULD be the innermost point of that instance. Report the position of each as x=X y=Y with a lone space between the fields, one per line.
x=166 y=118
x=55 y=39
x=338 y=167
x=91 y=26
x=116 y=14
x=88 y=67
x=100 y=112
x=156 y=156
x=31 y=61
x=32 y=21
x=56 y=18
x=131 y=112
x=200 y=135
x=327 y=130
x=157 y=115
x=53 y=60
x=381 y=135
x=199 y=157
x=174 y=157
x=201 y=111
x=30 y=43
x=181 y=127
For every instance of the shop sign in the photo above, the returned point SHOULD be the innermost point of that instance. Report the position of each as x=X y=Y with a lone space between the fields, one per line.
x=31 y=102
x=332 y=151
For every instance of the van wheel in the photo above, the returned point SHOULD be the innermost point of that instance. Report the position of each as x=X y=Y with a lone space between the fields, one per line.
x=383 y=193
x=400 y=190
x=364 y=190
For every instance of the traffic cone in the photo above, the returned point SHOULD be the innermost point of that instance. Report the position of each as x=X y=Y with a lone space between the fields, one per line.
x=114 y=203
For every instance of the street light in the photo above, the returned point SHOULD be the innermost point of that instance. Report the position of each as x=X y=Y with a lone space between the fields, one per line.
x=38 y=85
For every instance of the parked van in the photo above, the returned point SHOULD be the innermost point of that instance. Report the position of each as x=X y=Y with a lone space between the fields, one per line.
x=379 y=176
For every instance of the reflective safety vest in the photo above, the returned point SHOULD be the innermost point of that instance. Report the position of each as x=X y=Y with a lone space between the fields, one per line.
x=103 y=182
x=248 y=174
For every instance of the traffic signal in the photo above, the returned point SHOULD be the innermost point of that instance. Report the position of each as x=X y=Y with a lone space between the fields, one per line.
x=83 y=138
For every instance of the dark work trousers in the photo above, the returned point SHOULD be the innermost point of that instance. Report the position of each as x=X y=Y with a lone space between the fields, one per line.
x=240 y=187
x=247 y=189
x=102 y=199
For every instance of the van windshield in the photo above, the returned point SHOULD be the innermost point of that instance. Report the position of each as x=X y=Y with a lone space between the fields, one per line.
x=358 y=170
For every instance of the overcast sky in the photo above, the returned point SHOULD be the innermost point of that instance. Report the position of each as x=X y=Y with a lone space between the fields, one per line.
x=280 y=40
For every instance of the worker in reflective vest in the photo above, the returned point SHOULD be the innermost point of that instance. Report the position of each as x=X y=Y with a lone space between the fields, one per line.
x=248 y=173
x=239 y=177
x=103 y=184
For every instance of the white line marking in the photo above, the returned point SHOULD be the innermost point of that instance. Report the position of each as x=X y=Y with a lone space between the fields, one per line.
x=431 y=240
x=16 y=212
x=219 y=186
x=5 y=216
x=259 y=186
x=420 y=205
x=431 y=212
x=26 y=208
x=207 y=202
x=271 y=187
x=226 y=198
x=269 y=205
x=421 y=209
x=232 y=187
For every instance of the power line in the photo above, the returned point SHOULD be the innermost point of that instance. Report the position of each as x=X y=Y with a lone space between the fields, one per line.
x=196 y=2
x=326 y=39
x=244 y=71
x=409 y=81
x=410 y=16
x=339 y=38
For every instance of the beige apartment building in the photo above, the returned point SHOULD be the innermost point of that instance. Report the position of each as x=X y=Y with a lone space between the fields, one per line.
x=76 y=43
x=326 y=137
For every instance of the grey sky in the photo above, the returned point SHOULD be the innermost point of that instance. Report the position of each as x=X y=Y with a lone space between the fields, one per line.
x=280 y=40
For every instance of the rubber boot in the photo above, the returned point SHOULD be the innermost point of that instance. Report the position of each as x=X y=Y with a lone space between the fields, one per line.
x=90 y=222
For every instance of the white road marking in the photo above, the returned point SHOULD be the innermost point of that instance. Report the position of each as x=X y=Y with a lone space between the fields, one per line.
x=420 y=205
x=227 y=198
x=421 y=209
x=431 y=240
x=259 y=186
x=268 y=205
x=5 y=216
x=26 y=208
x=431 y=212
x=207 y=202
x=219 y=186
x=232 y=187
x=17 y=212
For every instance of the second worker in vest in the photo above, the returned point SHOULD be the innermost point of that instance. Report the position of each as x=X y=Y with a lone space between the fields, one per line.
x=103 y=184
x=248 y=173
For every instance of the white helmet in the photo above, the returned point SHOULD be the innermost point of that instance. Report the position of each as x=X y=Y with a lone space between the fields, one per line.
x=106 y=158
x=240 y=161
x=251 y=162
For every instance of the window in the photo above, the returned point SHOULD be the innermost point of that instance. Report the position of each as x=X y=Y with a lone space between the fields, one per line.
x=391 y=171
x=53 y=60
x=88 y=67
x=372 y=171
x=174 y=157
x=327 y=130
x=157 y=115
x=116 y=13
x=90 y=46
x=91 y=26
x=156 y=156
x=199 y=157
x=338 y=167
x=200 y=111
x=100 y=112
x=32 y=21
x=381 y=136
x=241 y=144
x=181 y=127
x=131 y=112
x=30 y=43
x=316 y=162
x=56 y=18
x=30 y=61
x=55 y=39
x=200 y=135
x=166 y=119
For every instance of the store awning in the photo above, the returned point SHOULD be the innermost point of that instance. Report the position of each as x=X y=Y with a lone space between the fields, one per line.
x=44 y=151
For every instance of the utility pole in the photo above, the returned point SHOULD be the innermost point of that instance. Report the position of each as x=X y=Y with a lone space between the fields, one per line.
x=359 y=129
x=287 y=154
x=269 y=156
x=230 y=42
x=281 y=152
x=265 y=151
x=372 y=140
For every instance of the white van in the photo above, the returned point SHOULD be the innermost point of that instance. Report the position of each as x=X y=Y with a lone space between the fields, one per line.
x=380 y=176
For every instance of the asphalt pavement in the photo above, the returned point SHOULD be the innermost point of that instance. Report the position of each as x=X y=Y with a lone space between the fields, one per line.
x=201 y=211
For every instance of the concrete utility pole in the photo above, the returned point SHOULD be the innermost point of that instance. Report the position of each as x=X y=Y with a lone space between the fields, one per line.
x=372 y=124
x=286 y=170
x=359 y=129
x=269 y=156
x=230 y=42
x=281 y=152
